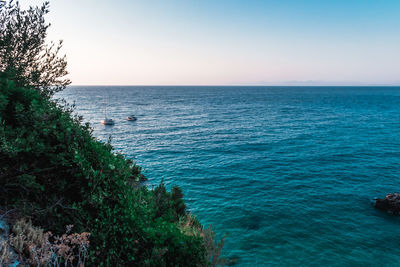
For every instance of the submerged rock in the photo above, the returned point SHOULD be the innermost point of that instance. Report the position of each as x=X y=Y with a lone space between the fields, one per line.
x=391 y=203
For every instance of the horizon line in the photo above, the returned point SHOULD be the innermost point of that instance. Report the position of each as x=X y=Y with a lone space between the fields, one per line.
x=246 y=85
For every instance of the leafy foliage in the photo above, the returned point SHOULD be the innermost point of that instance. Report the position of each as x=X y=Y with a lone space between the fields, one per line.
x=24 y=54
x=53 y=170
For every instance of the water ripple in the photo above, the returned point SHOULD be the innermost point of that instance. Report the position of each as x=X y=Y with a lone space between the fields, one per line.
x=289 y=173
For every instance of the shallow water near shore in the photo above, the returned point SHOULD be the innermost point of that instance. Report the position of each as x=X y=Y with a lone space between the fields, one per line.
x=289 y=172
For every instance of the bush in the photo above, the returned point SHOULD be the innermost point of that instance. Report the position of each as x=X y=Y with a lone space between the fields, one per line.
x=24 y=54
x=53 y=170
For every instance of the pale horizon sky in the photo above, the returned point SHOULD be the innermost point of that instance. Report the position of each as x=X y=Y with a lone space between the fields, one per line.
x=228 y=42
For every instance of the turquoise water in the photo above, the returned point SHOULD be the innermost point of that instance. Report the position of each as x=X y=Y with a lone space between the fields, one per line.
x=289 y=172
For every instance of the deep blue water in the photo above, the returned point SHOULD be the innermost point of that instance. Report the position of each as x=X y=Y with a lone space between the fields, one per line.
x=288 y=172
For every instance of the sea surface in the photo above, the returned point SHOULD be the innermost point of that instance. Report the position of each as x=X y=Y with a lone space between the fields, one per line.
x=289 y=173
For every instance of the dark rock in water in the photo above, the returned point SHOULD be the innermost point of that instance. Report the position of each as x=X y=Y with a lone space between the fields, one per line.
x=391 y=203
x=232 y=261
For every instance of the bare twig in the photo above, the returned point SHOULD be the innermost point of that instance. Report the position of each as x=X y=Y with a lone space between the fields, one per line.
x=6 y=213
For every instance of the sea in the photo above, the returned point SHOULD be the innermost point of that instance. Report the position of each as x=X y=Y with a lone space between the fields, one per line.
x=289 y=174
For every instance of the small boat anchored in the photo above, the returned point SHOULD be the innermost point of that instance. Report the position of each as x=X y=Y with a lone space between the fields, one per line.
x=106 y=120
x=131 y=118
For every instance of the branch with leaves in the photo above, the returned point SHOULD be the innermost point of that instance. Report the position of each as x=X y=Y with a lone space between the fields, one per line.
x=25 y=56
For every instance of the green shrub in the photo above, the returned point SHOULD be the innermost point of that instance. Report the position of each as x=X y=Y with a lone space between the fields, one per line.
x=55 y=172
x=25 y=54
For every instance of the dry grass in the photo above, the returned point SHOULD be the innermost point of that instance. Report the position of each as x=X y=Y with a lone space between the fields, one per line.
x=190 y=226
x=5 y=255
x=31 y=243
x=36 y=247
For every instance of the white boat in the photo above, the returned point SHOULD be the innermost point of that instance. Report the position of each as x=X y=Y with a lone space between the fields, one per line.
x=131 y=118
x=106 y=120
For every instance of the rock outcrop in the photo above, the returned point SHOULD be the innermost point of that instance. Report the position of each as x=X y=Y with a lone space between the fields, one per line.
x=391 y=203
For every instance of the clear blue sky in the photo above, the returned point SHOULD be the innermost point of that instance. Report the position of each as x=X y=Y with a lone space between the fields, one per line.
x=229 y=42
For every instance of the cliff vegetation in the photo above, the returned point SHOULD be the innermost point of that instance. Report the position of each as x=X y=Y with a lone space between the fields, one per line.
x=68 y=197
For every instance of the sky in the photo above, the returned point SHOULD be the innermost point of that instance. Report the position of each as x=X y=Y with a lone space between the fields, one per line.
x=228 y=42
